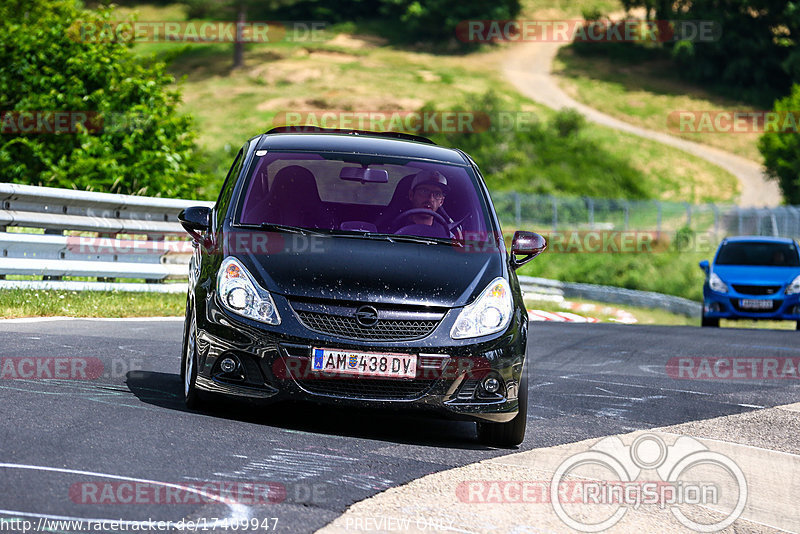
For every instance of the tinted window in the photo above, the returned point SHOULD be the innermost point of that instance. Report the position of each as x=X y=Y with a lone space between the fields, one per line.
x=756 y=253
x=362 y=193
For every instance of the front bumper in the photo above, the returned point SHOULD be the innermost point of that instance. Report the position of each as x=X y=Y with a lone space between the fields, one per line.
x=273 y=365
x=730 y=306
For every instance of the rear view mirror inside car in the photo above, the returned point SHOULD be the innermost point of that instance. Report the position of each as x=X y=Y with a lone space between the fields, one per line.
x=364 y=175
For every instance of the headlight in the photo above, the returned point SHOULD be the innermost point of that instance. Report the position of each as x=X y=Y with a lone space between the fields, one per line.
x=716 y=284
x=490 y=313
x=794 y=287
x=239 y=294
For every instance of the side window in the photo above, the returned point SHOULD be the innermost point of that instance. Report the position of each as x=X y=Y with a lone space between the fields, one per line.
x=227 y=189
x=233 y=173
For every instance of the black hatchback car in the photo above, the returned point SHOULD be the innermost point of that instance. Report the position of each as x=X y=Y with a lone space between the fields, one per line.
x=359 y=269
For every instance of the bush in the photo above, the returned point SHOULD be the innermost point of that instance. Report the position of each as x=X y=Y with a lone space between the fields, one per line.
x=144 y=146
x=568 y=122
x=543 y=157
x=781 y=149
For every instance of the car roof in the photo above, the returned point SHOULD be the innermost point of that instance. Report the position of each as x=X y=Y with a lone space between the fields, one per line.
x=361 y=143
x=758 y=239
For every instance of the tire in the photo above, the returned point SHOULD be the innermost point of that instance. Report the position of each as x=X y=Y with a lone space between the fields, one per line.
x=191 y=396
x=797 y=327
x=708 y=321
x=512 y=433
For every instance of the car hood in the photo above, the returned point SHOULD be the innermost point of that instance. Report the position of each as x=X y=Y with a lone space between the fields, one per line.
x=368 y=270
x=755 y=275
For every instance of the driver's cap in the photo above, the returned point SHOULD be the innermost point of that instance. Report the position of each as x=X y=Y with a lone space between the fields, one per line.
x=430 y=177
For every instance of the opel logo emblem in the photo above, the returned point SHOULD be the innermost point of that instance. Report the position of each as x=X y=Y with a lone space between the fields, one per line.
x=367 y=316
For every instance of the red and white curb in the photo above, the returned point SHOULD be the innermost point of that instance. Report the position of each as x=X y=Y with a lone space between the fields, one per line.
x=617 y=315
x=563 y=317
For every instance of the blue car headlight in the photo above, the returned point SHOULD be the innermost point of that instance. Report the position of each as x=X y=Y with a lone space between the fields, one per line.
x=794 y=287
x=240 y=294
x=716 y=284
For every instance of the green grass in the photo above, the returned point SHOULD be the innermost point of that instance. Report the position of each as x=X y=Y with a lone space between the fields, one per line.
x=645 y=93
x=345 y=71
x=29 y=303
x=672 y=273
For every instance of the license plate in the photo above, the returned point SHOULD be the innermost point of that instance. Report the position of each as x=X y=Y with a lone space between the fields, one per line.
x=753 y=304
x=364 y=363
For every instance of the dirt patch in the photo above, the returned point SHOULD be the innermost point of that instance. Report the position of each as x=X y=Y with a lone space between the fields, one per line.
x=333 y=56
x=359 y=42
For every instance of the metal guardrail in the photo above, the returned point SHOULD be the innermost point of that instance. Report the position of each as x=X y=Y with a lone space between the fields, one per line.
x=613 y=295
x=109 y=236
x=565 y=213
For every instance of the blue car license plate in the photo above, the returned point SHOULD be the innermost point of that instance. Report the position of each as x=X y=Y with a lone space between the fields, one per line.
x=753 y=304
x=384 y=365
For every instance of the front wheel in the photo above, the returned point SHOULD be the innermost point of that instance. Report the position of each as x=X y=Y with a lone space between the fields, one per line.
x=512 y=433
x=798 y=326
x=709 y=321
x=191 y=397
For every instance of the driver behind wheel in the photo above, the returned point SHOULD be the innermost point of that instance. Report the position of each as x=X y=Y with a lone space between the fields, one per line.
x=427 y=192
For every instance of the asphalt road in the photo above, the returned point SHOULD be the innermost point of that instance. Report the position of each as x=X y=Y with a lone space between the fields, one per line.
x=69 y=446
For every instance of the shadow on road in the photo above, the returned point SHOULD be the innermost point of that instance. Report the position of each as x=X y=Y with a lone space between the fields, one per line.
x=165 y=391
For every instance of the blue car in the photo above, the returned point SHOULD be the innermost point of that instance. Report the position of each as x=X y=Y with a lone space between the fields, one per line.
x=752 y=277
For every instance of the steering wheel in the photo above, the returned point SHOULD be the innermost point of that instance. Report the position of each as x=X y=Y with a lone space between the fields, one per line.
x=420 y=211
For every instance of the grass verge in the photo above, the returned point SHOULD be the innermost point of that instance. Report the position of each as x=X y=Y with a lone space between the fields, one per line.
x=15 y=303
x=645 y=93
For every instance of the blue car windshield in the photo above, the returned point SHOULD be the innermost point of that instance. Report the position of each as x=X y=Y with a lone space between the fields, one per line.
x=346 y=193
x=758 y=253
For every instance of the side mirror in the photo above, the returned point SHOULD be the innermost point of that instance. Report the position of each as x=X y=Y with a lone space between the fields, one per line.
x=704 y=266
x=194 y=220
x=527 y=244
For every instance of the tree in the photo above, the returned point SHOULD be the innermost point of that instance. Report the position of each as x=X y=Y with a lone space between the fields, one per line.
x=781 y=147
x=52 y=59
x=755 y=56
x=237 y=10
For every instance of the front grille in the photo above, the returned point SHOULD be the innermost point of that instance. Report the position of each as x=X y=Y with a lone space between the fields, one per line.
x=776 y=304
x=367 y=388
x=756 y=290
x=383 y=330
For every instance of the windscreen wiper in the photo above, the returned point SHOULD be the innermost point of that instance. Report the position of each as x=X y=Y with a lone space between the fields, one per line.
x=283 y=228
x=419 y=239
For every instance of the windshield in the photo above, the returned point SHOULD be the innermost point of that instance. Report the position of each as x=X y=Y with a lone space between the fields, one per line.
x=758 y=253
x=346 y=193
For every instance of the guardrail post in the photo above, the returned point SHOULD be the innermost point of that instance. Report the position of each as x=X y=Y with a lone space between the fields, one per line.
x=590 y=205
x=741 y=222
x=555 y=213
x=52 y=231
x=154 y=238
x=5 y=252
x=688 y=215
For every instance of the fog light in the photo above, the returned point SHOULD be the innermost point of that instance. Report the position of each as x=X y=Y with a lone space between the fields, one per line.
x=228 y=365
x=491 y=384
